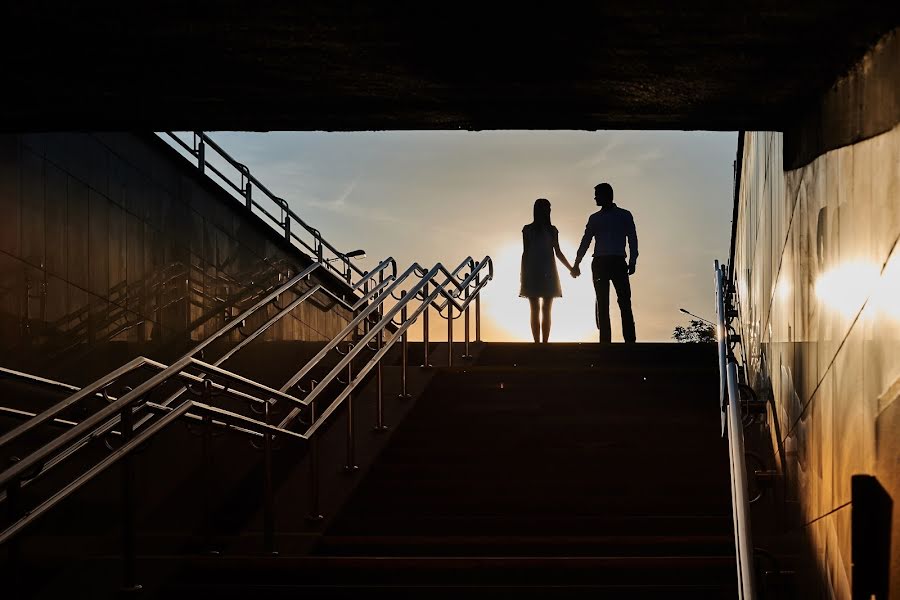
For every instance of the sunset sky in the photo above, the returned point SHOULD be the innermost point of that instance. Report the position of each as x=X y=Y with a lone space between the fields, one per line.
x=443 y=195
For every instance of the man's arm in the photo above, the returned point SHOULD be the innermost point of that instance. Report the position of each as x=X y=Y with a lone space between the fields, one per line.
x=585 y=244
x=631 y=236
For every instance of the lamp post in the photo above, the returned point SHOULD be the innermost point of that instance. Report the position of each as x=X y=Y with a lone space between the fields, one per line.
x=687 y=312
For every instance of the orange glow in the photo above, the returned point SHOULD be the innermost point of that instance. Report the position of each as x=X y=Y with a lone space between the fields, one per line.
x=887 y=294
x=846 y=287
x=573 y=314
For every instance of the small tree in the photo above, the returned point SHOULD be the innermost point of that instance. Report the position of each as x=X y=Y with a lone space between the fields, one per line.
x=697 y=332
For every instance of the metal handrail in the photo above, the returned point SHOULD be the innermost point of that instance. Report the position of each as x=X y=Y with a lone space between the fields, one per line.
x=106 y=380
x=177 y=369
x=51 y=383
x=385 y=320
x=142 y=361
x=244 y=188
x=732 y=429
x=414 y=269
x=173 y=413
x=103 y=420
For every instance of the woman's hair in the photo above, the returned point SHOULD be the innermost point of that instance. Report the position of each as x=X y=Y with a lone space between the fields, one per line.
x=542 y=213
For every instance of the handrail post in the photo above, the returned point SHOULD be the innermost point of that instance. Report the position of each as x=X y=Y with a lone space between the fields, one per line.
x=449 y=334
x=351 y=440
x=379 y=378
x=425 y=312
x=320 y=248
x=129 y=538
x=14 y=551
x=206 y=453
x=315 y=513
x=404 y=352
x=478 y=308
x=248 y=195
x=287 y=226
x=268 y=493
x=201 y=156
x=467 y=355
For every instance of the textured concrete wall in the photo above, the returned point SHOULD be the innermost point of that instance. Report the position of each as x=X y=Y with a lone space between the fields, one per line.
x=817 y=268
x=864 y=102
x=112 y=245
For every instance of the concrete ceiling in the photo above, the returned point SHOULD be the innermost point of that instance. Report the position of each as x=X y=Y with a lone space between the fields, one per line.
x=297 y=65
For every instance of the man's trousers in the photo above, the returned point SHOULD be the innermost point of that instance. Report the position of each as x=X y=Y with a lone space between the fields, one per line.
x=612 y=268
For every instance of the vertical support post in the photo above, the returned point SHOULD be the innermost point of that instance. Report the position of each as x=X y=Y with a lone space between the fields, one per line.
x=449 y=333
x=379 y=380
x=248 y=195
x=425 y=312
x=320 y=248
x=201 y=156
x=207 y=470
x=129 y=536
x=351 y=417
x=14 y=548
x=477 y=311
x=268 y=493
x=287 y=225
x=315 y=512
x=404 y=350
x=468 y=354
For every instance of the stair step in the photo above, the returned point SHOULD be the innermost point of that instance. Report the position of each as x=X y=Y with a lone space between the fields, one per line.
x=524 y=545
x=459 y=570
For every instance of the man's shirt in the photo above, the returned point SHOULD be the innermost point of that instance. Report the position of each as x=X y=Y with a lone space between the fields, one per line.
x=609 y=228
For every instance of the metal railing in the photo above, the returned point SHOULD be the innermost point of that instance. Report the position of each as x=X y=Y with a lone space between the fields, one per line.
x=258 y=199
x=732 y=429
x=138 y=420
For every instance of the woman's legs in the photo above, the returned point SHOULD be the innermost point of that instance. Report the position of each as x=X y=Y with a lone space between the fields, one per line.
x=535 y=318
x=545 y=318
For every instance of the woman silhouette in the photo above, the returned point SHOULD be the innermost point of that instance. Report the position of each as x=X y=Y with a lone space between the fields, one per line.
x=539 y=278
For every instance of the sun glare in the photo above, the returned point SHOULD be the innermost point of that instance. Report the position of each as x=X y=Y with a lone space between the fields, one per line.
x=573 y=314
x=846 y=287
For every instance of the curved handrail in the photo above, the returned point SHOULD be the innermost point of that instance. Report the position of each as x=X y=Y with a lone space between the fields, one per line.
x=733 y=430
x=385 y=319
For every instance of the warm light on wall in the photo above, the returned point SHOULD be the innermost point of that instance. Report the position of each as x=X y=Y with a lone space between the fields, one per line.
x=887 y=295
x=783 y=290
x=846 y=287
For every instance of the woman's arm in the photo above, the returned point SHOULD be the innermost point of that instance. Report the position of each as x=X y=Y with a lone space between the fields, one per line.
x=560 y=255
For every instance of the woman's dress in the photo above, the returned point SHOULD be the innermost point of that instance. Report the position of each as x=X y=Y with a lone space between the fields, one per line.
x=539 y=278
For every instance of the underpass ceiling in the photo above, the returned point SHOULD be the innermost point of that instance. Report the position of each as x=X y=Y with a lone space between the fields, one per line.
x=419 y=65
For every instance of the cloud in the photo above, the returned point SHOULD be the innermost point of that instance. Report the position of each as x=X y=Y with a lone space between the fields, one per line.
x=626 y=158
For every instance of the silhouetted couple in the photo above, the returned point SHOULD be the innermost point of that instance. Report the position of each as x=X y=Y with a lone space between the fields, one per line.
x=609 y=228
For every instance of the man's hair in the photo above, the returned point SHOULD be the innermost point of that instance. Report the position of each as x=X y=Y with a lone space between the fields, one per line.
x=604 y=191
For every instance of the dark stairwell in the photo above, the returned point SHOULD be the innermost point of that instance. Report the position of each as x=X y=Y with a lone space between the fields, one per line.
x=564 y=470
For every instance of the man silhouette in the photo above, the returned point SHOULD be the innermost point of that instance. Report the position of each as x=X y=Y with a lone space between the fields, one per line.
x=610 y=227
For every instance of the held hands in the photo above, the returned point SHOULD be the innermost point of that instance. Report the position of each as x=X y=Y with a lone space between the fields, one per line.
x=575 y=271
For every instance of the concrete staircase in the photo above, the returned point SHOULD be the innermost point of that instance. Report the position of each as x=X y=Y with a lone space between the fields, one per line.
x=561 y=470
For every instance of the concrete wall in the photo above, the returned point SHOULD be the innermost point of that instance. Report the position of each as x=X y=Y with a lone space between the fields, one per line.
x=112 y=245
x=817 y=269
